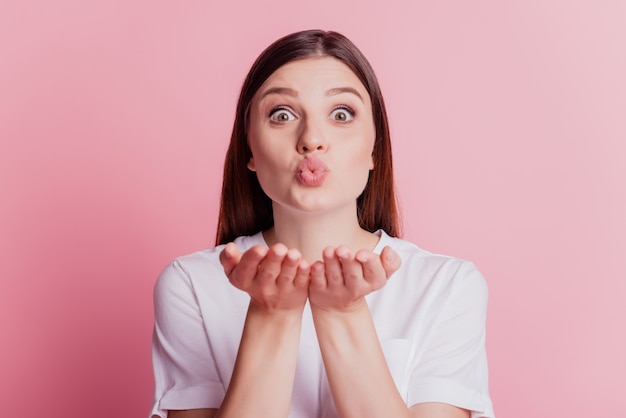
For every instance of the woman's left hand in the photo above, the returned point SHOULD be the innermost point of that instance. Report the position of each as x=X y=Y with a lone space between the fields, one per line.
x=342 y=280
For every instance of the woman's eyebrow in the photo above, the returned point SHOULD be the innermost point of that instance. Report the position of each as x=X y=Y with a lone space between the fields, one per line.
x=291 y=92
x=280 y=90
x=340 y=90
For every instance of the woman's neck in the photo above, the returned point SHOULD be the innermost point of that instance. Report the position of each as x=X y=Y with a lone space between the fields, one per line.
x=311 y=233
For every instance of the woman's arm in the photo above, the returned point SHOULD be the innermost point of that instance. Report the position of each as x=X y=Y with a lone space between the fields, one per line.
x=359 y=378
x=438 y=410
x=193 y=413
x=261 y=385
x=262 y=380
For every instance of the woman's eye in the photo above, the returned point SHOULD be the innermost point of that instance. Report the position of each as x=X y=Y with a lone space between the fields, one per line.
x=281 y=115
x=342 y=114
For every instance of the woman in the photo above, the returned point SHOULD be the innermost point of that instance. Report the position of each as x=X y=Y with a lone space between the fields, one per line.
x=255 y=327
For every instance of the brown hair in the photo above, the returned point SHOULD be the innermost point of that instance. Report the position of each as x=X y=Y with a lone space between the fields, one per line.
x=245 y=209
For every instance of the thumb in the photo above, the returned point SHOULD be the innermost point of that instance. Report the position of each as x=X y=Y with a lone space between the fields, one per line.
x=229 y=258
x=390 y=260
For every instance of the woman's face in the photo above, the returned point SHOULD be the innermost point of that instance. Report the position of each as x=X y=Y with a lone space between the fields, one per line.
x=312 y=134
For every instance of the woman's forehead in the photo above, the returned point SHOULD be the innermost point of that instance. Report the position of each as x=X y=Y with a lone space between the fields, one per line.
x=313 y=72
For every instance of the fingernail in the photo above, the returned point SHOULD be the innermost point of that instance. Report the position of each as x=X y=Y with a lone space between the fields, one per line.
x=280 y=251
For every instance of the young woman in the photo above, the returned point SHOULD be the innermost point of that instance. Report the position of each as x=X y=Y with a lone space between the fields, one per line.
x=376 y=327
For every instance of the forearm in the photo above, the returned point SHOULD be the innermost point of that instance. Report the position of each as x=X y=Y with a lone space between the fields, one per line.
x=359 y=377
x=263 y=376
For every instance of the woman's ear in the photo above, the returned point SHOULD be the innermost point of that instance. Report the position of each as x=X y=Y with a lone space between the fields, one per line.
x=372 y=162
x=251 y=165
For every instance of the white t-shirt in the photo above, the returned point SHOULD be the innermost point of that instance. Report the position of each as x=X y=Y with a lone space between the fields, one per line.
x=430 y=320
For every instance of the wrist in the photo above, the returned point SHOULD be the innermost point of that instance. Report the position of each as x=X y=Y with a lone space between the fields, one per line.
x=285 y=316
x=355 y=308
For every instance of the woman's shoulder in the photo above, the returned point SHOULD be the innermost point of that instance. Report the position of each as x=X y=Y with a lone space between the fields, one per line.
x=410 y=250
x=426 y=266
x=427 y=288
x=201 y=264
x=211 y=255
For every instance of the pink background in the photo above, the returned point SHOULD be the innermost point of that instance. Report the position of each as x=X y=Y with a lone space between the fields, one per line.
x=509 y=129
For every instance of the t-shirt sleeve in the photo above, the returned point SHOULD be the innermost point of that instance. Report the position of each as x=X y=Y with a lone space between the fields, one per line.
x=185 y=373
x=453 y=365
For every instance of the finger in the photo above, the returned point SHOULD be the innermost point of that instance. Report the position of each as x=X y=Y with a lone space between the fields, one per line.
x=229 y=257
x=351 y=269
x=373 y=271
x=318 y=277
x=332 y=267
x=243 y=274
x=289 y=267
x=390 y=260
x=302 y=278
x=270 y=266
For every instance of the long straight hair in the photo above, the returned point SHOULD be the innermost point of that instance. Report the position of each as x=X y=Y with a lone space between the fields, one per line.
x=245 y=209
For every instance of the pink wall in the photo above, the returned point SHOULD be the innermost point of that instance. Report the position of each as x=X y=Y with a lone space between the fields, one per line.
x=509 y=126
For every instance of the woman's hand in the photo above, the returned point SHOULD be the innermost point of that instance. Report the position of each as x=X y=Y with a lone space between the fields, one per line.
x=342 y=280
x=277 y=281
x=275 y=278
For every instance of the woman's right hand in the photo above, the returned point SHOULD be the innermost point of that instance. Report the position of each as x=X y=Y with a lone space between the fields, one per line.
x=276 y=278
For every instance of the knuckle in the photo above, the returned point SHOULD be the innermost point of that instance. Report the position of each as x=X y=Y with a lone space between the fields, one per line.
x=265 y=274
x=283 y=279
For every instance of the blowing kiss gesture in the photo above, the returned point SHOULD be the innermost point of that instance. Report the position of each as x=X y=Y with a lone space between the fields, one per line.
x=278 y=279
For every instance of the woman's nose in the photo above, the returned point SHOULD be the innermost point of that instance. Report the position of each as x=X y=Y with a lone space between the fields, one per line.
x=311 y=138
